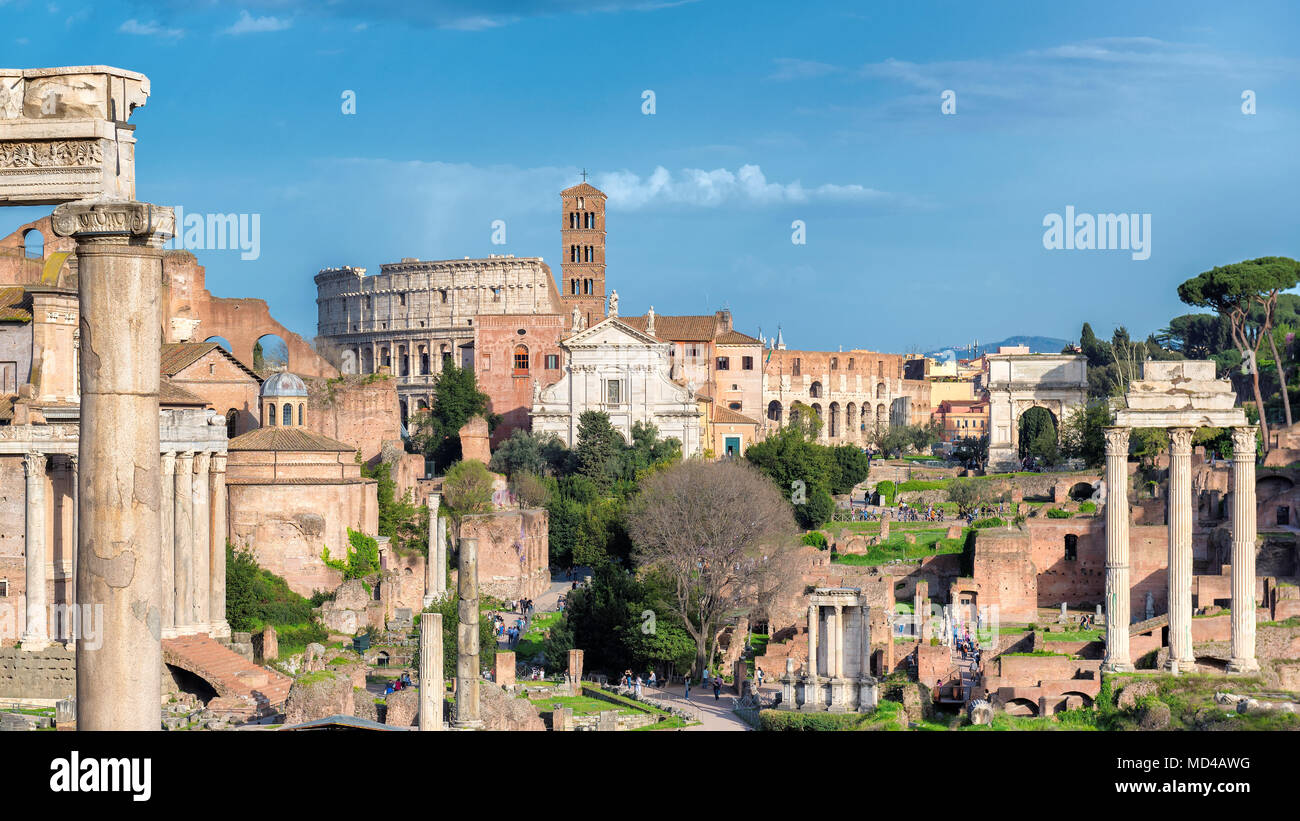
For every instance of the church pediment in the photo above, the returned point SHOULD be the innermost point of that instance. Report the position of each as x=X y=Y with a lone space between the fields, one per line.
x=611 y=332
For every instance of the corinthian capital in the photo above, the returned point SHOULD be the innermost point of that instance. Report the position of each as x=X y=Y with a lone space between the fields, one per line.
x=1243 y=440
x=1180 y=441
x=1116 y=441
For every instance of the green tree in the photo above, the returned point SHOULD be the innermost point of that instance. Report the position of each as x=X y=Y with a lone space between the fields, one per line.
x=851 y=468
x=800 y=468
x=972 y=450
x=1037 y=435
x=1234 y=291
x=598 y=445
x=541 y=454
x=968 y=494
x=467 y=489
x=456 y=400
x=448 y=606
x=1083 y=434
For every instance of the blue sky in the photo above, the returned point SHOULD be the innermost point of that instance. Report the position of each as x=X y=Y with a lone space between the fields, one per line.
x=921 y=228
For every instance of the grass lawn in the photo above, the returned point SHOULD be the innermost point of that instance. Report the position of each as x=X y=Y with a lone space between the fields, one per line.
x=928 y=543
x=581 y=705
x=530 y=643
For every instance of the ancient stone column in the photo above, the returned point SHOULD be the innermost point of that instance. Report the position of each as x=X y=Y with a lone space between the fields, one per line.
x=442 y=557
x=119 y=253
x=813 y=626
x=76 y=496
x=217 y=561
x=1243 y=552
x=1117 y=549
x=432 y=569
x=839 y=641
x=36 y=634
x=202 y=543
x=167 y=559
x=467 y=715
x=431 y=687
x=864 y=616
x=183 y=541
x=1180 y=549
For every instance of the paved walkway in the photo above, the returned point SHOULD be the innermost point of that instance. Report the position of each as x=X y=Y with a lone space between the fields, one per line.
x=713 y=715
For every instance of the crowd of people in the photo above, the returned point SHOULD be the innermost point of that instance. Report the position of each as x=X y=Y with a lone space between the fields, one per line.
x=399 y=683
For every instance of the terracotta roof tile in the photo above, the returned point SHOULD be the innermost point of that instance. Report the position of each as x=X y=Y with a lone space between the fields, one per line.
x=677 y=328
x=727 y=416
x=173 y=394
x=11 y=301
x=286 y=438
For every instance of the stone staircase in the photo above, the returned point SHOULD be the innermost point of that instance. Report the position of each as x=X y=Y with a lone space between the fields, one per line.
x=242 y=686
x=960 y=675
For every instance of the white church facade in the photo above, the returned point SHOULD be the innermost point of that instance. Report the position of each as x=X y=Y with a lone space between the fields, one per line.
x=625 y=373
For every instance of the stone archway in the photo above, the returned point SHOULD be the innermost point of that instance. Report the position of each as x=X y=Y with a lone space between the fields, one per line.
x=1018 y=382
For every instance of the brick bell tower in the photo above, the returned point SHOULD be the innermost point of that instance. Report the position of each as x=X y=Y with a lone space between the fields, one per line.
x=582 y=237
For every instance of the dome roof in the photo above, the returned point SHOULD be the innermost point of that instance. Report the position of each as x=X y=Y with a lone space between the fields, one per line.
x=284 y=384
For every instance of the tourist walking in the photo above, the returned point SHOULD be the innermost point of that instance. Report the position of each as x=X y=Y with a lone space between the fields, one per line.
x=687 y=679
x=717 y=687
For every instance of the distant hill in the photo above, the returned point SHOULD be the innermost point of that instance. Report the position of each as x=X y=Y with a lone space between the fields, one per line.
x=1037 y=344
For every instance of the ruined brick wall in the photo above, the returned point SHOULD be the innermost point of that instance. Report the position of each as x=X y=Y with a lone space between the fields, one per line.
x=513 y=552
x=49 y=674
x=497 y=340
x=287 y=525
x=1005 y=574
x=241 y=321
x=361 y=411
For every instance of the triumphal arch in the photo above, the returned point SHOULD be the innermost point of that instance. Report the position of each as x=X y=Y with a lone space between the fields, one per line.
x=1018 y=382
x=1180 y=397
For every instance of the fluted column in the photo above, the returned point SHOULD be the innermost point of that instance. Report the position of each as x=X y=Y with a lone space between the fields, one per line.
x=167 y=572
x=1180 y=549
x=441 y=579
x=76 y=528
x=36 y=631
x=1243 y=551
x=467 y=655
x=812 y=640
x=217 y=556
x=183 y=543
x=432 y=569
x=202 y=545
x=432 y=691
x=864 y=614
x=1117 y=549
x=839 y=641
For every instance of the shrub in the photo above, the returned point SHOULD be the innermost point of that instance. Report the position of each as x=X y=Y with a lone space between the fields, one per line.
x=887 y=490
x=1087 y=507
x=1057 y=513
x=815 y=539
x=787 y=721
x=991 y=521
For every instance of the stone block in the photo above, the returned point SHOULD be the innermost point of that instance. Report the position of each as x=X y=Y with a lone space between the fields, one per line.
x=505 y=669
x=64 y=135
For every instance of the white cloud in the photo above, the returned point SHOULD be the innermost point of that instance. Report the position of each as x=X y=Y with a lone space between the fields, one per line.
x=696 y=187
x=248 y=24
x=150 y=29
x=789 y=68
